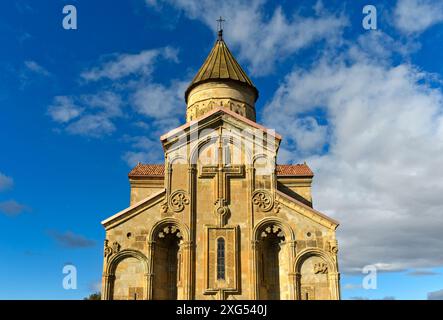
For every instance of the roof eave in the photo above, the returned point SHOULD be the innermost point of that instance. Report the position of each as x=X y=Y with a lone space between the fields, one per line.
x=196 y=84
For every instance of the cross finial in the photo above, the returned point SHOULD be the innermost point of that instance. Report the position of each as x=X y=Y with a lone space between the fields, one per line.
x=220 y=27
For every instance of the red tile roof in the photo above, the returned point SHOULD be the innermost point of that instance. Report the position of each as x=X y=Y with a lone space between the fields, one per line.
x=294 y=170
x=147 y=170
x=158 y=170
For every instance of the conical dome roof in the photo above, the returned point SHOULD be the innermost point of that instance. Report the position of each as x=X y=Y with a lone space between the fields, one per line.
x=220 y=65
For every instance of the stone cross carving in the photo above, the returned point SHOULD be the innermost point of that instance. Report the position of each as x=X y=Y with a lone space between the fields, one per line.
x=222 y=173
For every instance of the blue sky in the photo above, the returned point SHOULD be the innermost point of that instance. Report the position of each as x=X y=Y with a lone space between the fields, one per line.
x=362 y=107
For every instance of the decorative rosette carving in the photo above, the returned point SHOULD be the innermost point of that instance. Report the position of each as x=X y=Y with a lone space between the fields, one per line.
x=263 y=200
x=177 y=201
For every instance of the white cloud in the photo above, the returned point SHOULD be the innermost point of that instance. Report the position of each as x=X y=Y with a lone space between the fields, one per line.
x=92 y=125
x=158 y=101
x=145 y=150
x=30 y=72
x=415 y=16
x=5 y=182
x=273 y=36
x=381 y=176
x=94 y=115
x=108 y=102
x=164 y=106
x=36 y=68
x=12 y=208
x=122 y=65
x=89 y=115
x=63 y=109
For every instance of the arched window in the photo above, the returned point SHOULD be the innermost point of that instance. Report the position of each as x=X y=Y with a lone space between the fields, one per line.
x=220 y=259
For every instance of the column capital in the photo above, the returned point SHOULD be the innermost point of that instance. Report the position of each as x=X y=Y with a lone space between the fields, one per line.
x=186 y=244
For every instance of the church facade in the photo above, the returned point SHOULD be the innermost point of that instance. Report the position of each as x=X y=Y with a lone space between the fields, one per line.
x=220 y=219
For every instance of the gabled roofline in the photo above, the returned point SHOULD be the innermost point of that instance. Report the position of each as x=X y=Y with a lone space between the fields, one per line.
x=283 y=171
x=126 y=212
x=220 y=110
x=321 y=217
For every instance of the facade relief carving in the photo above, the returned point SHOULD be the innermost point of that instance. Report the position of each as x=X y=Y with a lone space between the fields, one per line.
x=320 y=267
x=164 y=207
x=200 y=108
x=111 y=249
x=176 y=202
x=264 y=201
x=332 y=246
x=222 y=173
x=173 y=230
x=273 y=229
x=221 y=209
x=277 y=207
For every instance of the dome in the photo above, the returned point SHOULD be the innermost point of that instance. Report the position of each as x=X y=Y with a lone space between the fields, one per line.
x=221 y=81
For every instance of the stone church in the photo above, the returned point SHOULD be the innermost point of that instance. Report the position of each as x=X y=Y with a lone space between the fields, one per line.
x=220 y=219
